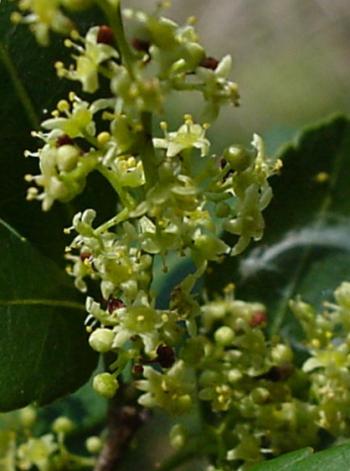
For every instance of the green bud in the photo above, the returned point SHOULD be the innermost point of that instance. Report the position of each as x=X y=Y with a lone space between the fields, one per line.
x=260 y=395
x=62 y=425
x=222 y=210
x=177 y=436
x=67 y=157
x=224 y=336
x=194 y=54
x=184 y=403
x=94 y=445
x=238 y=157
x=234 y=375
x=281 y=354
x=208 y=378
x=101 y=340
x=105 y=384
x=28 y=416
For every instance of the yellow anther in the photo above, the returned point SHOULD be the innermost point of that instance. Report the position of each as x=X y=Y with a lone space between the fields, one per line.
x=63 y=105
x=188 y=119
x=108 y=116
x=72 y=96
x=103 y=138
x=322 y=177
x=165 y=4
x=55 y=113
x=165 y=317
x=315 y=343
x=131 y=162
x=192 y=20
x=74 y=34
x=16 y=17
x=138 y=127
x=163 y=125
x=59 y=65
x=28 y=177
x=68 y=43
x=229 y=288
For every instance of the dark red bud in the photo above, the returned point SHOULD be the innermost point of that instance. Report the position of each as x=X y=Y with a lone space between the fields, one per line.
x=278 y=373
x=258 y=319
x=113 y=304
x=138 y=370
x=85 y=256
x=165 y=356
x=64 y=140
x=141 y=45
x=105 y=35
x=209 y=63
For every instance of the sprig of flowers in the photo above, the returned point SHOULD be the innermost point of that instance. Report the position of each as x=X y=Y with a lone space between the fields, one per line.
x=175 y=198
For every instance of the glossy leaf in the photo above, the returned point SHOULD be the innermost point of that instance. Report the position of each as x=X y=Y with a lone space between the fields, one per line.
x=44 y=352
x=306 y=246
x=332 y=459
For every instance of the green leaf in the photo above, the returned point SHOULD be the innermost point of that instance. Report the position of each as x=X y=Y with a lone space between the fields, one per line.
x=333 y=459
x=306 y=246
x=285 y=462
x=44 y=352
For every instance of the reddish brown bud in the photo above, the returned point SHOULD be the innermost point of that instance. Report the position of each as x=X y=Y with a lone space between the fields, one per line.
x=209 y=63
x=165 y=356
x=278 y=373
x=64 y=140
x=113 y=304
x=141 y=45
x=105 y=35
x=85 y=256
x=258 y=318
x=138 y=370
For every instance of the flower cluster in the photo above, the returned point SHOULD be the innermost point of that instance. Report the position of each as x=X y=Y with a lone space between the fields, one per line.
x=22 y=449
x=176 y=197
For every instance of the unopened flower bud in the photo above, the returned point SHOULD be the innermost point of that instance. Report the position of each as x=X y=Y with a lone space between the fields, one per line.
x=165 y=356
x=94 y=445
x=238 y=158
x=281 y=354
x=28 y=416
x=224 y=336
x=62 y=425
x=177 y=436
x=105 y=35
x=67 y=157
x=101 y=340
x=260 y=395
x=105 y=384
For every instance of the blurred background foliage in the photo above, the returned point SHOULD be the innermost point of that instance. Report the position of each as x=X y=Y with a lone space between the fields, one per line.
x=291 y=61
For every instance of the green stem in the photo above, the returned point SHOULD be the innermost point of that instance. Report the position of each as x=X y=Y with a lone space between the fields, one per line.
x=114 y=221
x=148 y=155
x=113 y=179
x=114 y=15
